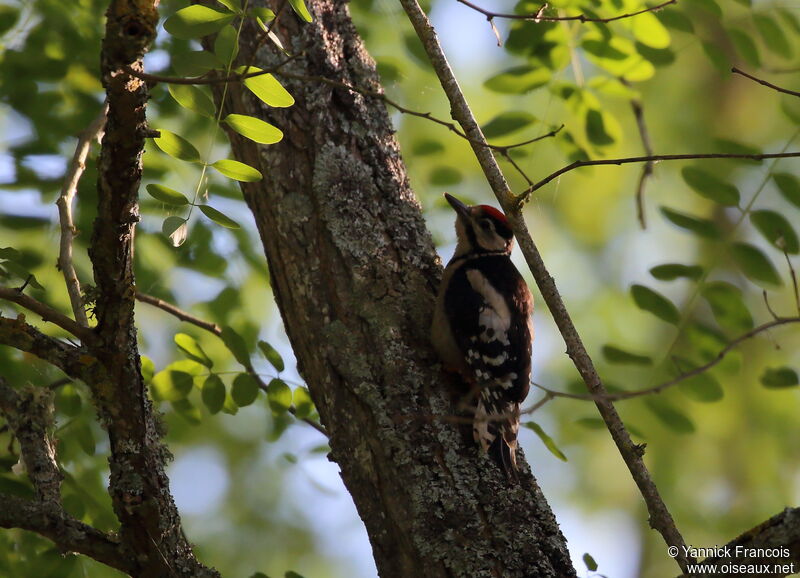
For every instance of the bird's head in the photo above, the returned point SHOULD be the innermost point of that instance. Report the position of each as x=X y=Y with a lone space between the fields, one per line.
x=480 y=228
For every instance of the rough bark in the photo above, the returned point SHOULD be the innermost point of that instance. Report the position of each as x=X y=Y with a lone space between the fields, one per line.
x=354 y=273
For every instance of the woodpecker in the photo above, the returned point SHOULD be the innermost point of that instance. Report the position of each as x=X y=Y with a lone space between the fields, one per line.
x=482 y=327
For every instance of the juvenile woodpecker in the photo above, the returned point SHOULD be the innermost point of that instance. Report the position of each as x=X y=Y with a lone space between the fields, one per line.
x=482 y=327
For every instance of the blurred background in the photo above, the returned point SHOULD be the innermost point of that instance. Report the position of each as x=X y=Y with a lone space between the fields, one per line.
x=254 y=486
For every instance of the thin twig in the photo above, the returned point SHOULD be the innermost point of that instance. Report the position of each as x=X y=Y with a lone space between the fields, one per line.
x=793 y=275
x=47 y=313
x=764 y=82
x=683 y=376
x=644 y=159
x=216 y=330
x=660 y=517
x=647 y=169
x=538 y=17
x=64 y=203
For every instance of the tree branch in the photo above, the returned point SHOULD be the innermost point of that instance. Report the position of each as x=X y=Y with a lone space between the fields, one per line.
x=764 y=82
x=48 y=314
x=29 y=412
x=64 y=204
x=647 y=169
x=538 y=17
x=660 y=518
x=523 y=197
x=68 y=533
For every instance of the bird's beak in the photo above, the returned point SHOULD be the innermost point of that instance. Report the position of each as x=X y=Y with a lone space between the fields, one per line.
x=457 y=205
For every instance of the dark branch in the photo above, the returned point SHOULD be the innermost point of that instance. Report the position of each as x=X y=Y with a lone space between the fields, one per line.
x=647 y=169
x=68 y=533
x=538 y=15
x=47 y=313
x=29 y=412
x=764 y=82
x=645 y=159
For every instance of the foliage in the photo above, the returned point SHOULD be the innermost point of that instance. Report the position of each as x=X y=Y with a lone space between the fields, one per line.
x=719 y=234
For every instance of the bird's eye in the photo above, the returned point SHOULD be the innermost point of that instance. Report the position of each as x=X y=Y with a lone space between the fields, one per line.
x=485 y=224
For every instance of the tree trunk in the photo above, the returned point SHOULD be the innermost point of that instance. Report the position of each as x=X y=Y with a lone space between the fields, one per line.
x=354 y=273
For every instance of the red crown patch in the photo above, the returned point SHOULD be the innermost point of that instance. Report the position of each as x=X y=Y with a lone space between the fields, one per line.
x=494 y=213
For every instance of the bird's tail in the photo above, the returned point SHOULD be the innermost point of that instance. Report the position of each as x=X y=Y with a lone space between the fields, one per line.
x=496 y=431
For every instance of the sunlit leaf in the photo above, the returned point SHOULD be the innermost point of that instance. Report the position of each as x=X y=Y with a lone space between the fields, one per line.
x=272 y=355
x=244 y=389
x=197 y=21
x=232 y=5
x=728 y=306
x=171 y=385
x=218 y=217
x=237 y=171
x=177 y=147
x=266 y=87
x=507 y=122
x=617 y=355
x=148 y=368
x=670 y=416
x=192 y=348
x=213 y=393
x=166 y=195
x=192 y=98
x=697 y=225
x=777 y=230
x=546 y=440
x=755 y=265
x=711 y=187
x=253 y=128
x=299 y=6
x=779 y=377
x=279 y=396
x=672 y=271
x=789 y=186
x=648 y=30
x=176 y=229
x=655 y=303
x=302 y=402
x=518 y=80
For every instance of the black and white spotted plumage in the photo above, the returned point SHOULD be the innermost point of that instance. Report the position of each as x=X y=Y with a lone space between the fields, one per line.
x=482 y=327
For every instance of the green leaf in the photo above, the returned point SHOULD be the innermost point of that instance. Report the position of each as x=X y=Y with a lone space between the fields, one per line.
x=711 y=187
x=773 y=35
x=192 y=98
x=303 y=405
x=232 y=5
x=702 y=387
x=244 y=390
x=176 y=229
x=272 y=355
x=704 y=342
x=507 y=122
x=672 y=271
x=442 y=176
x=226 y=45
x=728 y=306
x=593 y=423
x=618 y=56
x=745 y=47
x=655 y=303
x=259 y=575
x=265 y=14
x=717 y=56
x=197 y=21
x=68 y=401
x=789 y=186
x=234 y=342
x=676 y=20
x=671 y=417
x=195 y=63
x=518 y=80
x=648 y=30
x=426 y=147
x=237 y=171
x=213 y=393
x=167 y=196
x=291 y=574
x=192 y=348
x=300 y=9
x=177 y=147
x=266 y=87
x=697 y=225
x=616 y=355
x=83 y=433
x=780 y=377
x=171 y=385
x=148 y=369
x=8 y=18
x=777 y=230
x=218 y=217
x=187 y=410
x=600 y=128
x=546 y=440
x=255 y=129
x=591 y=565
x=755 y=265
x=279 y=396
